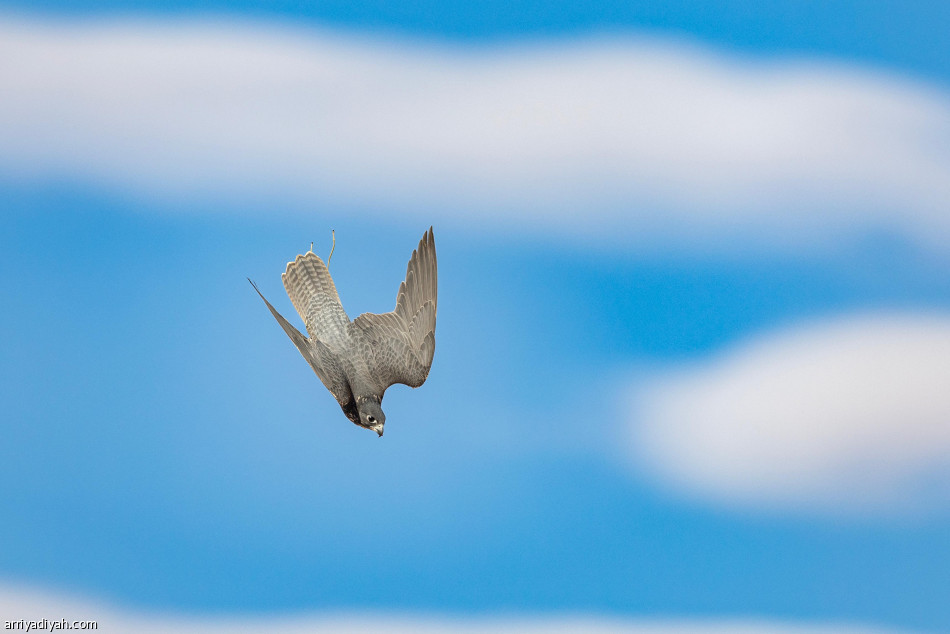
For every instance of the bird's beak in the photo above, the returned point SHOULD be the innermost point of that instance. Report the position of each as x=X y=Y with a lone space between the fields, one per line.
x=379 y=430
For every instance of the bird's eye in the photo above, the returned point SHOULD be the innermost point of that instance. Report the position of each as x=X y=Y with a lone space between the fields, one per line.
x=371 y=419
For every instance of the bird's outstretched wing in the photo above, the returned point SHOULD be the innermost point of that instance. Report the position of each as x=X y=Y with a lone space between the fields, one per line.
x=403 y=341
x=324 y=364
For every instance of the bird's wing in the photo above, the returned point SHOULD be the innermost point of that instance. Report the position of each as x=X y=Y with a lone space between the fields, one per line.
x=323 y=362
x=403 y=341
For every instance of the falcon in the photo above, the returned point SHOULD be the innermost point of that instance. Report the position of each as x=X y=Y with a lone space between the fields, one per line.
x=358 y=360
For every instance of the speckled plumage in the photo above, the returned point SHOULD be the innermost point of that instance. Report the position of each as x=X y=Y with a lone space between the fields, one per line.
x=358 y=360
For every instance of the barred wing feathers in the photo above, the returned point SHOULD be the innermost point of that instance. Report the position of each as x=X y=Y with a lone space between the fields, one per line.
x=403 y=341
x=325 y=365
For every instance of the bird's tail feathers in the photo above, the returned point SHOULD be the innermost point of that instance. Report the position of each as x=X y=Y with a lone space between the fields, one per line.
x=306 y=277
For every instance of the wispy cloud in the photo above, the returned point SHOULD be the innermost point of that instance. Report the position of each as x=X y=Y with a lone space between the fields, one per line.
x=602 y=135
x=16 y=604
x=850 y=415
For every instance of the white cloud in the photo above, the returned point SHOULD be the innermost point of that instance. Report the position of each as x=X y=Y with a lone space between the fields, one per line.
x=16 y=604
x=847 y=416
x=598 y=135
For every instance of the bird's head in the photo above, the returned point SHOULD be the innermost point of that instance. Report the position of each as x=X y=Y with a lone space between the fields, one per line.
x=371 y=415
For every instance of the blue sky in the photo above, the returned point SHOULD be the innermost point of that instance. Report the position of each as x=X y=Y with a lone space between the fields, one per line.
x=166 y=448
x=905 y=36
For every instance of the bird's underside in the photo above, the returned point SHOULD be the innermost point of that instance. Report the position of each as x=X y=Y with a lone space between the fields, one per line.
x=358 y=360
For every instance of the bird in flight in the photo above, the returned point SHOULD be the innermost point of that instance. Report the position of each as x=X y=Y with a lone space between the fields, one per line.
x=357 y=360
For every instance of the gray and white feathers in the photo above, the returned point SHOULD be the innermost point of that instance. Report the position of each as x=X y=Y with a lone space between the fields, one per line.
x=358 y=360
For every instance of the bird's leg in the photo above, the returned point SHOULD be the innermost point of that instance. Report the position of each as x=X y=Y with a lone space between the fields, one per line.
x=311 y=248
x=333 y=235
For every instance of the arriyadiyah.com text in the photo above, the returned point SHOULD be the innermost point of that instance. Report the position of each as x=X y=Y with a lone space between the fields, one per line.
x=49 y=625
